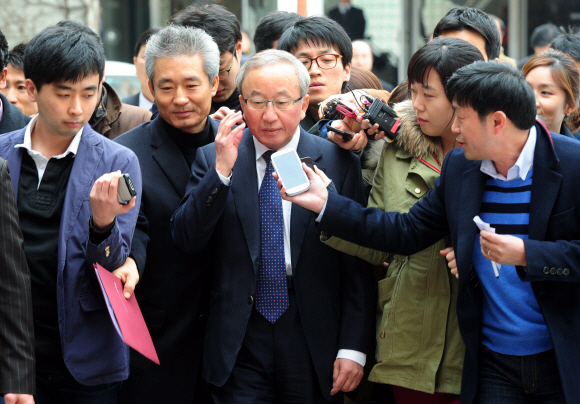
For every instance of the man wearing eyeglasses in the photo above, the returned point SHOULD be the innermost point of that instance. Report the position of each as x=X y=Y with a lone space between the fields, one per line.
x=289 y=319
x=224 y=28
x=325 y=49
x=182 y=65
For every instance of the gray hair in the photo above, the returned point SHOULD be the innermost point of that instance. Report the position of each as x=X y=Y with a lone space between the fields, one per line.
x=270 y=57
x=174 y=41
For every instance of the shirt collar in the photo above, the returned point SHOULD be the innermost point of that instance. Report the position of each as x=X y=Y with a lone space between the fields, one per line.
x=1 y=109
x=144 y=102
x=522 y=166
x=27 y=143
x=293 y=143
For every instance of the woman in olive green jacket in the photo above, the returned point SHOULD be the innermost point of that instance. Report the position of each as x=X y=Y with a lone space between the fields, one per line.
x=419 y=348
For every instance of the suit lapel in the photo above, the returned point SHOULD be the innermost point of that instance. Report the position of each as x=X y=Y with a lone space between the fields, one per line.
x=80 y=183
x=473 y=187
x=245 y=194
x=169 y=157
x=545 y=185
x=300 y=218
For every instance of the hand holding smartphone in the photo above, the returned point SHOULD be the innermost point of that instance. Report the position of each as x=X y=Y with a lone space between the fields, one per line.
x=289 y=169
x=125 y=190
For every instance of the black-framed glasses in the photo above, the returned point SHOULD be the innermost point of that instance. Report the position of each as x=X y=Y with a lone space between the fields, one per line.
x=324 y=62
x=280 y=104
x=223 y=74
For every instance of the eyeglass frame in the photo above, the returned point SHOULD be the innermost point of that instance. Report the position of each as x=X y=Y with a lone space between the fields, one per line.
x=228 y=70
x=316 y=60
x=294 y=101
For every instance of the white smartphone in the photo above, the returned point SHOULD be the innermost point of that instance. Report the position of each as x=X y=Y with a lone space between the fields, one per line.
x=289 y=168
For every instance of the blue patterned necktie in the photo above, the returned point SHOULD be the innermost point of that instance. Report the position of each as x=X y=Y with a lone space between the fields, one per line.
x=272 y=291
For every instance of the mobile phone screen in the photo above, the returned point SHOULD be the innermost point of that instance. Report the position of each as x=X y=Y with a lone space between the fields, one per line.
x=290 y=170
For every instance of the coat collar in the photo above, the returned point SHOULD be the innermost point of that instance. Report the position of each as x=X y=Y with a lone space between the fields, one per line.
x=166 y=150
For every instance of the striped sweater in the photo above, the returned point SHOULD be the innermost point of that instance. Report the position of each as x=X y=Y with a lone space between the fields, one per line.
x=513 y=323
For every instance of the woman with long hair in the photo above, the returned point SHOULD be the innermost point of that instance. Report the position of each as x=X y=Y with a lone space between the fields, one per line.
x=555 y=80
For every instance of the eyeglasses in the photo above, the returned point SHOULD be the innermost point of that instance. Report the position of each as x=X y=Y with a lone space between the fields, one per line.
x=324 y=62
x=223 y=74
x=280 y=104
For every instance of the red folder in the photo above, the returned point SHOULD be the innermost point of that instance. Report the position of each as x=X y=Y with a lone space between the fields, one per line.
x=126 y=315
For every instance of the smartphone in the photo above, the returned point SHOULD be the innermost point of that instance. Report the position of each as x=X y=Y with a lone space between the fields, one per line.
x=125 y=189
x=289 y=168
x=345 y=135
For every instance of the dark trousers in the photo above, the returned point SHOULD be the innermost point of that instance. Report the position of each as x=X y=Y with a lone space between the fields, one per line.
x=61 y=387
x=273 y=365
x=508 y=379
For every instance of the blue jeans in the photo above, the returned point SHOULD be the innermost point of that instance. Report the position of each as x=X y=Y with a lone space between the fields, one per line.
x=508 y=379
x=57 y=387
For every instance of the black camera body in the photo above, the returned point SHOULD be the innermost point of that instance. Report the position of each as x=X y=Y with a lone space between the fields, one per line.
x=380 y=113
x=377 y=113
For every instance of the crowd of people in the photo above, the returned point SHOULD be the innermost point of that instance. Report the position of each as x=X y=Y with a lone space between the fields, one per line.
x=431 y=262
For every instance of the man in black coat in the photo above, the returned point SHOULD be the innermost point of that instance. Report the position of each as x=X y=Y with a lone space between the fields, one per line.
x=10 y=116
x=351 y=18
x=172 y=291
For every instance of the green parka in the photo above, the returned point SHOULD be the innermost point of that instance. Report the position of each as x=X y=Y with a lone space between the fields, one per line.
x=418 y=342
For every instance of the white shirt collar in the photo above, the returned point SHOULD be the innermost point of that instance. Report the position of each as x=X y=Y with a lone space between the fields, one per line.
x=27 y=143
x=523 y=164
x=144 y=102
x=293 y=143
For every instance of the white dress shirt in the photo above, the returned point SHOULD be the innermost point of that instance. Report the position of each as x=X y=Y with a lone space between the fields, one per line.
x=38 y=158
x=522 y=166
x=144 y=102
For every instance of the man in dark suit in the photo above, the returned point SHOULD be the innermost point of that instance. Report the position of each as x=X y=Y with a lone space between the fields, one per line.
x=305 y=339
x=173 y=290
x=17 y=382
x=519 y=295
x=350 y=18
x=10 y=116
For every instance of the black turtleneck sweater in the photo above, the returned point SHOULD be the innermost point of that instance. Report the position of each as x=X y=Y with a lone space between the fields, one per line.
x=188 y=143
x=233 y=102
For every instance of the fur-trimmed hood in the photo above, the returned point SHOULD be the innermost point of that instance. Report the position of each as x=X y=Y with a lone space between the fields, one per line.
x=410 y=139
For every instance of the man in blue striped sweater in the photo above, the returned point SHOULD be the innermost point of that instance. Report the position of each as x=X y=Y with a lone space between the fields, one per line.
x=522 y=328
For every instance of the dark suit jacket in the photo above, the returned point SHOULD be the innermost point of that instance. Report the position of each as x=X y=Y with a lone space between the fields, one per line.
x=132 y=100
x=12 y=118
x=353 y=22
x=333 y=290
x=173 y=289
x=16 y=332
x=554 y=242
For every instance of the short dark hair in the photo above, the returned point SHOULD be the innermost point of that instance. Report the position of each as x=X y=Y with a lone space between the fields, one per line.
x=501 y=23
x=16 y=56
x=568 y=42
x=271 y=27
x=445 y=56
x=317 y=30
x=60 y=54
x=544 y=35
x=77 y=26
x=494 y=86
x=214 y=19
x=3 y=51
x=144 y=38
x=467 y=18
